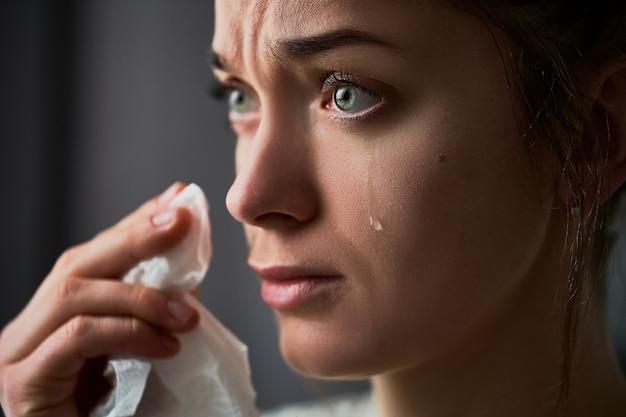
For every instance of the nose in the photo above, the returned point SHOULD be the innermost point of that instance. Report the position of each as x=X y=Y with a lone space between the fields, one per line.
x=275 y=183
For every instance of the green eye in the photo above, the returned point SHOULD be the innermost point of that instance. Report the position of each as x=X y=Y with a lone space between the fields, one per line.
x=347 y=94
x=239 y=101
x=350 y=98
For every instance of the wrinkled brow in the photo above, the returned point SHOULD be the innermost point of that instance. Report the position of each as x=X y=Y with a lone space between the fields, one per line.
x=299 y=48
x=304 y=47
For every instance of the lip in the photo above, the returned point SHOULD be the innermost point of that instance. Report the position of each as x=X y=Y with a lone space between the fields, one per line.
x=288 y=287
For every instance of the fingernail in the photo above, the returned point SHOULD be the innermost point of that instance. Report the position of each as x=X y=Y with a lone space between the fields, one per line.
x=163 y=218
x=169 y=342
x=180 y=311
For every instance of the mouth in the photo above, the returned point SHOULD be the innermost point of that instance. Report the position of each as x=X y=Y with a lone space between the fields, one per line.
x=287 y=287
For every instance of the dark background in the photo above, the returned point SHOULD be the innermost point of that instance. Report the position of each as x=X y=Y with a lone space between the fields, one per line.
x=103 y=106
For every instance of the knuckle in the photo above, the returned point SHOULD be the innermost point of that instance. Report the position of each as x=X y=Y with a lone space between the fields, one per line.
x=79 y=327
x=68 y=289
x=143 y=297
x=137 y=295
x=150 y=305
x=135 y=328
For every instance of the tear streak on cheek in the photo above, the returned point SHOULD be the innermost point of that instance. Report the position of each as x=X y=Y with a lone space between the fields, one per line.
x=373 y=208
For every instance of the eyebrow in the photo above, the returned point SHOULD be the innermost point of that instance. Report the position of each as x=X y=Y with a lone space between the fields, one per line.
x=299 y=48
x=315 y=44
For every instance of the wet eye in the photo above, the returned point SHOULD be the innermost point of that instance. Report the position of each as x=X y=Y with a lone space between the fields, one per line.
x=346 y=93
x=239 y=101
x=351 y=98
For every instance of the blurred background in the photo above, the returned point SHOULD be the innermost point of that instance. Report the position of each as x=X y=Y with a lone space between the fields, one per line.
x=104 y=105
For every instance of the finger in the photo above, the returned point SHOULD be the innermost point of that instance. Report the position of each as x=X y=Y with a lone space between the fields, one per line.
x=116 y=250
x=53 y=306
x=64 y=353
x=153 y=204
x=50 y=374
x=152 y=228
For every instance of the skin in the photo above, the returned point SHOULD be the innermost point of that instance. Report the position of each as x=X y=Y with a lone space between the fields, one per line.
x=439 y=227
x=452 y=305
x=51 y=355
x=402 y=281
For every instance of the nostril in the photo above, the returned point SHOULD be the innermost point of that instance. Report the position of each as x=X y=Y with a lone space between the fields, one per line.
x=268 y=202
x=274 y=218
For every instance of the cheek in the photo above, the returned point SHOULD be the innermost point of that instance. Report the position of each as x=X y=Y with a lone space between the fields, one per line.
x=451 y=232
x=460 y=201
x=436 y=232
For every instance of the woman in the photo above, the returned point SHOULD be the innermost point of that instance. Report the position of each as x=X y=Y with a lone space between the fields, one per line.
x=421 y=184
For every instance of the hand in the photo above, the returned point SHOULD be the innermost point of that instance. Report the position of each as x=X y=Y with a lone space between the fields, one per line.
x=53 y=353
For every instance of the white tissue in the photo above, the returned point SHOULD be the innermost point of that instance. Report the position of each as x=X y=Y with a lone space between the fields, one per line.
x=210 y=375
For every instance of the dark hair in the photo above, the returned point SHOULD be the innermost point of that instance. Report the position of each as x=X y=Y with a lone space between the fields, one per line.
x=552 y=46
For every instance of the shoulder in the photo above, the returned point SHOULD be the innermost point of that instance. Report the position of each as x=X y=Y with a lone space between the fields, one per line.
x=346 y=406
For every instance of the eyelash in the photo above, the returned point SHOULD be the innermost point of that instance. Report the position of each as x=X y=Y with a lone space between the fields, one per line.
x=329 y=81
x=222 y=91
x=218 y=90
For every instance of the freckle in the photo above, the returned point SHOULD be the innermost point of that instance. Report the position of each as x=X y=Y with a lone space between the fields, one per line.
x=442 y=157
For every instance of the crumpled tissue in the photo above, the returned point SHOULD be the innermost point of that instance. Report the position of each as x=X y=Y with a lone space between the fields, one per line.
x=210 y=375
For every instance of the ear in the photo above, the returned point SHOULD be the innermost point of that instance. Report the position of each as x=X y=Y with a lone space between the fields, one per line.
x=611 y=124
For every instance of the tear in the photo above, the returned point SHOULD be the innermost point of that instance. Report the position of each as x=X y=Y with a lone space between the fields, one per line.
x=372 y=198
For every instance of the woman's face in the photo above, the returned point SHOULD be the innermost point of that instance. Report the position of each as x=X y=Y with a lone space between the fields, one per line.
x=391 y=207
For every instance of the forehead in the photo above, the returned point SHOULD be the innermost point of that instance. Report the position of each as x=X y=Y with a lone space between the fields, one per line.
x=245 y=28
x=288 y=16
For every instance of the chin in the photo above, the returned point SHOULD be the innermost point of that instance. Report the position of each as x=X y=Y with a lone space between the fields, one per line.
x=317 y=350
